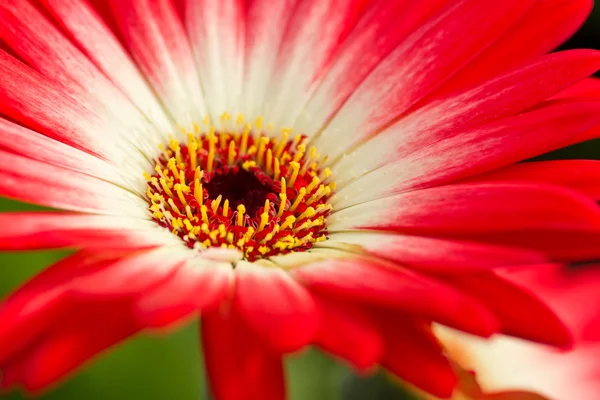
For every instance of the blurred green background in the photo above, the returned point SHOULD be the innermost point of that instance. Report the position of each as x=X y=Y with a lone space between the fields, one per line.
x=170 y=367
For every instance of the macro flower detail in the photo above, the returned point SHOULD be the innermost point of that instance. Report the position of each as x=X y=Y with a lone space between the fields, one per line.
x=345 y=174
x=261 y=196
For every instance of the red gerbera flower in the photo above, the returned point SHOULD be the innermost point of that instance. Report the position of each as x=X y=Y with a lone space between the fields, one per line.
x=299 y=172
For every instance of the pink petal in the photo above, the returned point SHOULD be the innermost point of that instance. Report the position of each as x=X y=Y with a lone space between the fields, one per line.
x=503 y=142
x=33 y=100
x=433 y=254
x=82 y=22
x=35 y=182
x=372 y=282
x=259 y=58
x=47 y=50
x=380 y=29
x=275 y=306
x=467 y=209
x=239 y=366
x=196 y=287
x=312 y=36
x=156 y=39
x=449 y=117
x=410 y=72
x=25 y=142
x=345 y=331
x=216 y=31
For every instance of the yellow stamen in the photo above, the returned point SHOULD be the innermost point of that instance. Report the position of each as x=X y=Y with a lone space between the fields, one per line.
x=313 y=184
x=240 y=217
x=269 y=162
x=173 y=206
x=244 y=141
x=259 y=123
x=285 y=133
x=300 y=153
x=301 y=194
x=214 y=205
x=198 y=193
x=277 y=170
x=193 y=149
x=295 y=169
x=283 y=198
x=226 y=208
x=212 y=140
x=262 y=144
x=308 y=213
x=231 y=157
x=165 y=186
x=179 y=189
x=288 y=222
x=172 y=165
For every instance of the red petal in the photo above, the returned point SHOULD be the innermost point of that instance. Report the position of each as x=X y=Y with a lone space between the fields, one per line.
x=413 y=353
x=239 y=366
x=81 y=335
x=382 y=27
x=541 y=29
x=433 y=53
x=28 y=312
x=82 y=22
x=520 y=312
x=464 y=210
x=132 y=275
x=157 y=41
x=433 y=254
x=346 y=332
x=370 y=281
x=46 y=230
x=196 y=287
x=581 y=175
x=275 y=306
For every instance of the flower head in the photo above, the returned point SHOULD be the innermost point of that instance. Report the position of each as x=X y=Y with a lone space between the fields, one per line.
x=338 y=173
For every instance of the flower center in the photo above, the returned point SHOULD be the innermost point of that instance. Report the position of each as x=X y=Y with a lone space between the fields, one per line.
x=241 y=186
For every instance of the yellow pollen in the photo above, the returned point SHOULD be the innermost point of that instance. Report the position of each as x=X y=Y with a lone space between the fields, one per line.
x=289 y=221
x=244 y=141
x=295 y=169
x=214 y=205
x=276 y=169
x=315 y=181
x=261 y=149
x=232 y=154
x=240 y=217
x=204 y=213
x=198 y=194
x=202 y=192
x=298 y=200
x=173 y=206
x=165 y=186
x=226 y=208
